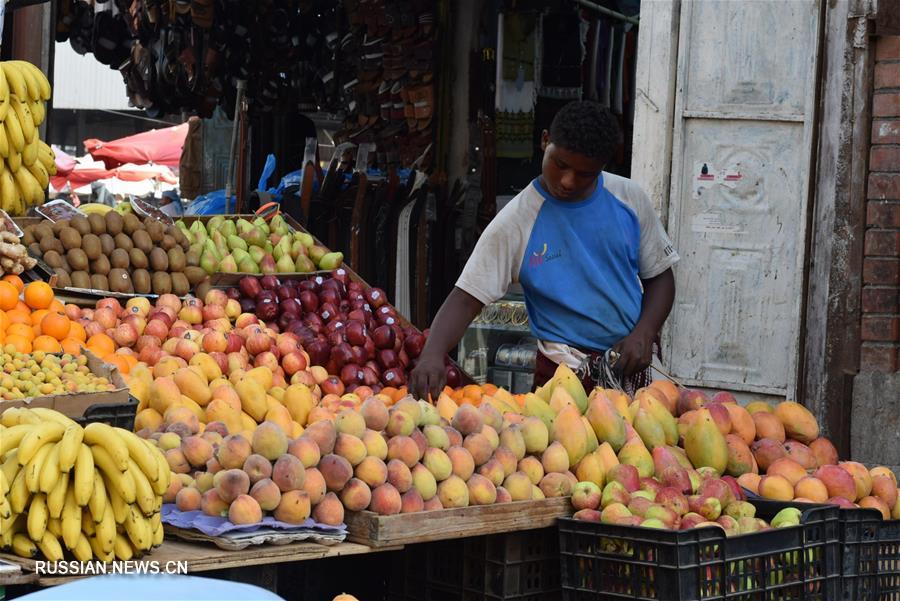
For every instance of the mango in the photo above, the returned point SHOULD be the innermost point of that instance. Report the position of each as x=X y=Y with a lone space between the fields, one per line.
x=801 y=453
x=650 y=430
x=798 y=422
x=568 y=429
x=824 y=452
x=423 y=481
x=838 y=481
x=704 y=443
x=885 y=489
x=607 y=422
x=874 y=503
x=538 y=407
x=535 y=434
x=590 y=469
x=742 y=422
x=565 y=378
x=648 y=400
x=253 y=398
x=766 y=451
x=861 y=477
x=192 y=386
x=775 y=487
x=811 y=488
x=607 y=456
x=720 y=416
x=634 y=453
x=438 y=463
x=164 y=393
x=750 y=482
x=740 y=459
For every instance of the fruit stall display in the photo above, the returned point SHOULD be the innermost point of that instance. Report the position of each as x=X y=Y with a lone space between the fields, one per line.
x=26 y=162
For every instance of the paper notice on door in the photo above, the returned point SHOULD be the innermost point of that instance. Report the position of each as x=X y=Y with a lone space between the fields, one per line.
x=706 y=176
x=711 y=223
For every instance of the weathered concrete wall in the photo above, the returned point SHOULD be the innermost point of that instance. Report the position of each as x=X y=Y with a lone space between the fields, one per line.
x=875 y=425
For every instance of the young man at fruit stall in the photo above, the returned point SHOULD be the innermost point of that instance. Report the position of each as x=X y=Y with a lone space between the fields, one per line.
x=590 y=253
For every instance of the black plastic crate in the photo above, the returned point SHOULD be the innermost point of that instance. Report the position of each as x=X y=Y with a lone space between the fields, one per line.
x=870 y=550
x=518 y=566
x=602 y=561
x=119 y=415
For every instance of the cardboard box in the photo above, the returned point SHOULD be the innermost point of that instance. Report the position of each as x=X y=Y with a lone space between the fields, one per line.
x=75 y=404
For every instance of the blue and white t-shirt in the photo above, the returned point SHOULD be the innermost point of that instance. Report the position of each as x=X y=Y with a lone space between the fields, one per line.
x=579 y=263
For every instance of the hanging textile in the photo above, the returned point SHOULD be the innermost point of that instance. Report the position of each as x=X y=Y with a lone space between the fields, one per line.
x=516 y=35
x=562 y=50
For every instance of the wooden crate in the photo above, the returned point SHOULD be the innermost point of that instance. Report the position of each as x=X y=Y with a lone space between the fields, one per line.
x=368 y=528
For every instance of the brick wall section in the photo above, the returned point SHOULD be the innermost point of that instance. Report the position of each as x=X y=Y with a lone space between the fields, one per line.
x=880 y=302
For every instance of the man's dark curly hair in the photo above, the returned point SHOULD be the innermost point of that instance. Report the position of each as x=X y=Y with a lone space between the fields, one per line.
x=586 y=128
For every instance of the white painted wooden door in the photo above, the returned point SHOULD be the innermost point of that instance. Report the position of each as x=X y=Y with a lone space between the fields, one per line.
x=740 y=155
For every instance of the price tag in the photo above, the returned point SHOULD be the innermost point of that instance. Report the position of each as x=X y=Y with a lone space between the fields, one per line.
x=57 y=210
x=8 y=224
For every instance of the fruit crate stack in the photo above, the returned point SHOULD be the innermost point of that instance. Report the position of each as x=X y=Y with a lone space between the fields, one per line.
x=870 y=548
x=606 y=561
x=518 y=566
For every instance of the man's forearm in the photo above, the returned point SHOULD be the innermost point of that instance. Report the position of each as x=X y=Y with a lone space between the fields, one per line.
x=659 y=295
x=451 y=322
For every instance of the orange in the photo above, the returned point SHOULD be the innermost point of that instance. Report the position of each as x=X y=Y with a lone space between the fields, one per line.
x=38 y=295
x=37 y=316
x=15 y=281
x=46 y=343
x=21 y=306
x=71 y=346
x=76 y=331
x=472 y=391
x=17 y=316
x=489 y=389
x=9 y=296
x=57 y=306
x=4 y=320
x=21 y=329
x=101 y=345
x=55 y=325
x=22 y=345
x=119 y=361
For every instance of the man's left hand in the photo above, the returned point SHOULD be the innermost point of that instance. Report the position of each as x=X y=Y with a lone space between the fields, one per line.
x=635 y=352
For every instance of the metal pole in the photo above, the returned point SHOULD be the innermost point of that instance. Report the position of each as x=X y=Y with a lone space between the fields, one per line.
x=229 y=182
x=608 y=12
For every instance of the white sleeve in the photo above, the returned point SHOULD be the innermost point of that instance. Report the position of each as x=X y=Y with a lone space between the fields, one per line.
x=657 y=253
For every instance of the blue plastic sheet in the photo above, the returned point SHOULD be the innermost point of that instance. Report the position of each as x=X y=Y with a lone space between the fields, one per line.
x=214 y=526
x=152 y=587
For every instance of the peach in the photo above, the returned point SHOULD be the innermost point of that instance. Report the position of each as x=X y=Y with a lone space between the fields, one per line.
x=518 y=484
x=376 y=445
x=404 y=449
x=424 y=482
x=196 y=450
x=375 y=414
x=462 y=463
x=811 y=488
x=232 y=483
x=801 y=453
x=768 y=426
x=467 y=420
x=512 y=438
x=306 y=450
x=493 y=471
x=324 y=434
x=212 y=504
x=314 y=485
x=491 y=416
x=433 y=504
x=503 y=495
x=411 y=502
x=507 y=459
x=787 y=468
x=861 y=477
x=777 y=488
x=257 y=468
x=399 y=475
x=244 y=510
x=336 y=470
x=269 y=441
x=386 y=500
x=438 y=463
x=372 y=471
x=171 y=492
x=329 y=511
x=555 y=458
x=824 y=452
x=838 y=481
x=532 y=467
x=453 y=492
x=350 y=448
x=288 y=473
x=436 y=437
x=535 y=434
x=356 y=495
x=456 y=439
x=350 y=422
x=767 y=450
x=479 y=447
x=188 y=499
x=481 y=490
x=177 y=462
x=400 y=424
x=555 y=484
x=266 y=493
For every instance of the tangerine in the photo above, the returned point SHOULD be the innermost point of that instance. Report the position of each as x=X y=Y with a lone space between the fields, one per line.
x=15 y=281
x=16 y=316
x=56 y=325
x=37 y=316
x=21 y=329
x=9 y=296
x=119 y=361
x=4 y=320
x=46 y=343
x=38 y=295
x=57 y=306
x=22 y=345
x=101 y=345
x=71 y=346
x=76 y=331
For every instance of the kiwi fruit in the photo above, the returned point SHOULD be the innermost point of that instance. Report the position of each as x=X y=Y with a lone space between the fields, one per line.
x=176 y=260
x=99 y=282
x=180 y=238
x=80 y=279
x=202 y=288
x=35 y=249
x=162 y=282
x=159 y=261
x=98 y=224
x=52 y=258
x=65 y=264
x=156 y=230
x=77 y=259
x=28 y=236
x=51 y=243
x=80 y=224
x=180 y=284
x=41 y=231
x=70 y=238
x=119 y=259
x=107 y=244
x=142 y=241
x=168 y=242
x=62 y=278
x=123 y=241
x=138 y=259
x=58 y=226
x=131 y=224
x=114 y=223
x=120 y=281
x=140 y=279
x=192 y=258
x=100 y=265
x=194 y=275
x=90 y=244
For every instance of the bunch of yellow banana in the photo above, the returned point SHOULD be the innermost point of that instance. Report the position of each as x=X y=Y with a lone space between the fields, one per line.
x=90 y=208
x=95 y=491
x=26 y=162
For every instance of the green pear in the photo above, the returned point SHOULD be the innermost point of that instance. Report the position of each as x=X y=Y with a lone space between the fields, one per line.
x=316 y=253
x=284 y=264
x=239 y=255
x=282 y=249
x=304 y=264
x=228 y=265
x=244 y=226
x=236 y=242
x=180 y=224
x=261 y=224
x=268 y=247
x=229 y=228
x=255 y=237
x=209 y=262
x=199 y=231
x=279 y=226
x=215 y=223
x=298 y=249
x=248 y=266
x=257 y=254
x=306 y=239
x=218 y=239
x=267 y=265
x=210 y=247
x=331 y=261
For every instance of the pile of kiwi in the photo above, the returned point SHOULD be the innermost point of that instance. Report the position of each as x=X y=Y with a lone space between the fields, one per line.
x=116 y=253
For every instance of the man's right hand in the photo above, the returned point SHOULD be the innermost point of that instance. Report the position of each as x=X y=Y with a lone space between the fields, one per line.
x=429 y=377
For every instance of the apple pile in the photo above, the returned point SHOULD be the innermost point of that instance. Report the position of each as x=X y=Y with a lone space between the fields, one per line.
x=345 y=327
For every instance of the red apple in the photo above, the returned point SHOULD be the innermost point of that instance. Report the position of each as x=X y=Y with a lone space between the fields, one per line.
x=356 y=333
x=186 y=349
x=215 y=297
x=342 y=354
x=245 y=319
x=292 y=363
x=211 y=312
x=376 y=297
x=352 y=374
x=112 y=304
x=332 y=385
x=384 y=337
x=249 y=286
x=214 y=341
x=221 y=360
x=394 y=377
x=266 y=359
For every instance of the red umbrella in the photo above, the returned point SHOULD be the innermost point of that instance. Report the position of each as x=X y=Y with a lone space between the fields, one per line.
x=160 y=146
x=64 y=163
